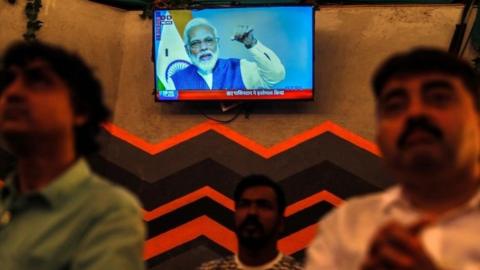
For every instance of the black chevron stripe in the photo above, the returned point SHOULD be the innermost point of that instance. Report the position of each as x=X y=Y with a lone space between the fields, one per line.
x=204 y=206
x=211 y=145
x=324 y=175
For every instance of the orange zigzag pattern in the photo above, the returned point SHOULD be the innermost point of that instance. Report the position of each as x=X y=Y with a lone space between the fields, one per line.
x=218 y=233
x=204 y=226
x=266 y=152
x=228 y=203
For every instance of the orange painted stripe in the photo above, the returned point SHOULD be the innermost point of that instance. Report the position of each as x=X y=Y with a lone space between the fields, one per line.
x=326 y=126
x=205 y=226
x=187 y=232
x=230 y=204
x=153 y=149
x=253 y=146
x=298 y=240
x=187 y=199
x=312 y=200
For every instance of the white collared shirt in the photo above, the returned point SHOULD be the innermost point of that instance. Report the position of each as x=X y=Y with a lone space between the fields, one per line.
x=344 y=235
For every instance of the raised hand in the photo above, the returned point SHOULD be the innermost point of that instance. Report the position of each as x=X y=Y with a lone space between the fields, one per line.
x=244 y=34
x=396 y=246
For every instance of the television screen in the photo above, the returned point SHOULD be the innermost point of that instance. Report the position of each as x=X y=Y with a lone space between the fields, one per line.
x=234 y=53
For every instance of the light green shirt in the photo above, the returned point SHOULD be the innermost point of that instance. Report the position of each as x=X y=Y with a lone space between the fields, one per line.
x=79 y=221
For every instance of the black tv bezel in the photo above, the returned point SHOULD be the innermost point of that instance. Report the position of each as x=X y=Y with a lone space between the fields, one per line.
x=201 y=7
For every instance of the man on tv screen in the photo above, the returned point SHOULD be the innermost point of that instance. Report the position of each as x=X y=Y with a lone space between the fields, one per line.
x=208 y=71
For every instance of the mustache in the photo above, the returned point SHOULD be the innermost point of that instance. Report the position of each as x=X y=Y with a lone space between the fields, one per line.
x=251 y=220
x=419 y=123
x=203 y=52
x=207 y=52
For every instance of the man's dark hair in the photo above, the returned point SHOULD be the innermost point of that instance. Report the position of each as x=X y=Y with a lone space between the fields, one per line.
x=427 y=60
x=256 y=180
x=85 y=88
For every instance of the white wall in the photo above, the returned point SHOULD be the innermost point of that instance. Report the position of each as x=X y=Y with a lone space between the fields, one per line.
x=350 y=42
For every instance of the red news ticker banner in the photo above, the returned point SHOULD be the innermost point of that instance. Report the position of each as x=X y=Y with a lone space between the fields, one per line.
x=244 y=94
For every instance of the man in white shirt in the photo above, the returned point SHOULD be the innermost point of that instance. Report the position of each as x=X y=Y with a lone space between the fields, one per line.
x=427 y=104
x=208 y=71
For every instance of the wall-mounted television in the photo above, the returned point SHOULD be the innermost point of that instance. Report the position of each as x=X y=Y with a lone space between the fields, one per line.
x=234 y=53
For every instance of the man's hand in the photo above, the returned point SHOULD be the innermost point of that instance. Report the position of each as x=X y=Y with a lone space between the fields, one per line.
x=398 y=247
x=244 y=34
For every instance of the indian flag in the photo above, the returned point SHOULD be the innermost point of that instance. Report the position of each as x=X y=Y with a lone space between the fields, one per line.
x=171 y=54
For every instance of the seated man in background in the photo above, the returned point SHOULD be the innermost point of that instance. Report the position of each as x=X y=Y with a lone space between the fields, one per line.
x=259 y=209
x=55 y=213
x=428 y=129
x=208 y=71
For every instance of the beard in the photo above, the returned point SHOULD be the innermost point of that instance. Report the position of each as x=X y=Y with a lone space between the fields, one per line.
x=252 y=234
x=205 y=61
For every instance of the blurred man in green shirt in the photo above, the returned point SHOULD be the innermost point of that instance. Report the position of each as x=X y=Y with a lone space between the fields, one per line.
x=55 y=213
